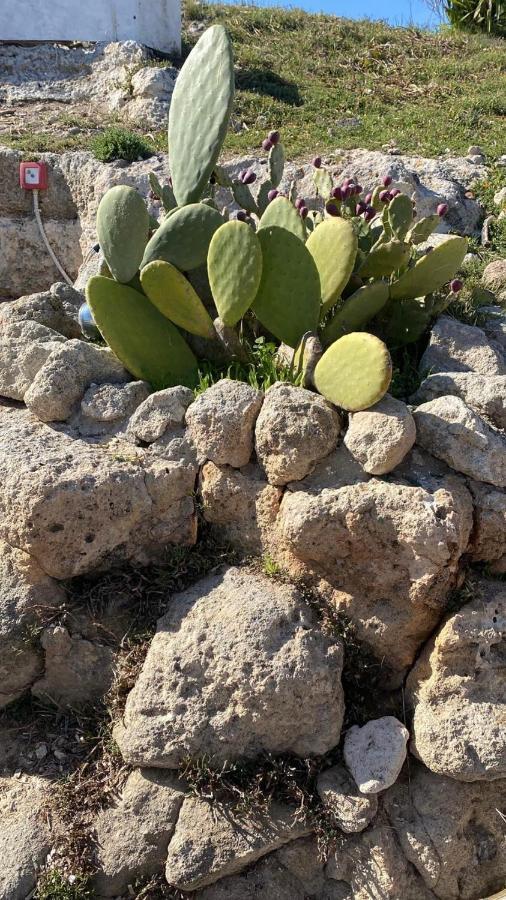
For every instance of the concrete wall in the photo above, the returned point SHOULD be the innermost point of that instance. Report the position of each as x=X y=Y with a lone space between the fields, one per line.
x=156 y=23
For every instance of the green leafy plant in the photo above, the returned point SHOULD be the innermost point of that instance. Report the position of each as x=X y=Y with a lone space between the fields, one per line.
x=119 y=143
x=282 y=292
x=54 y=885
x=478 y=15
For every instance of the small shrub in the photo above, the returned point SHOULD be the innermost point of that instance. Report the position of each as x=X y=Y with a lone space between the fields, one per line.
x=54 y=885
x=118 y=143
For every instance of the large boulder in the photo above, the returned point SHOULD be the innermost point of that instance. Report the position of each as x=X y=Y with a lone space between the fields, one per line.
x=485 y=394
x=56 y=309
x=295 y=429
x=24 y=348
x=451 y=431
x=454 y=347
x=457 y=691
x=25 y=835
x=221 y=422
x=238 y=666
x=76 y=508
x=451 y=832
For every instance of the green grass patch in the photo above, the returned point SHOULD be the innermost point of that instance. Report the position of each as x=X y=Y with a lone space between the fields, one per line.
x=119 y=143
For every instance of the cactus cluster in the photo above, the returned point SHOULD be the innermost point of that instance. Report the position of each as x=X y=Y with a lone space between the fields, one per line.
x=336 y=282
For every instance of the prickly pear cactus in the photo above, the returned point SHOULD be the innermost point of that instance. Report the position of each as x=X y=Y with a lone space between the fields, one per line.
x=423 y=229
x=356 y=311
x=432 y=271
x=199 y=114
x=282 y=213
x=148 y=345
x=276 y=164
x=174 y=296
x=355 y=372
x=234 y=265
x=385 y=259
x=184 y=236
x=400 y=216
x=333 y=246
x=122 y=229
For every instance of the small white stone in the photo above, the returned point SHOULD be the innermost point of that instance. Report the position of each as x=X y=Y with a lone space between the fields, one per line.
x=41 y=751
x=375 y=753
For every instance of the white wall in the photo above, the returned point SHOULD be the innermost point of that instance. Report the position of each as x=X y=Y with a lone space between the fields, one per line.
x=156 y=23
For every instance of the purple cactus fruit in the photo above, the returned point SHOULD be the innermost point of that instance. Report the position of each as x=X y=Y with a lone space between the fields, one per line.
x=368 y=198
x=273 y=193
x=346 y=183
x=337 y=193
x=241 y=215
x=331 y=208
x=267 y=144
x=369 y=214
x=387 y=181
x=299 y=203
x=395 y=192
x=317 y=162
x=273 y=137
x=303 y=211
x=358 y=189
x=456 y=285
x=385 y=196
x=345 y=192
x=442 y=209
x=249 y=177
x=360 y=208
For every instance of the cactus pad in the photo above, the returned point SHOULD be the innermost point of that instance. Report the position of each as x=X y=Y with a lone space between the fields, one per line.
x=123 y=229
x=333 y=246
x=323 y=182
x=406 y=321
x=385 y=259
x=148 y=345
x=432 y=271
x=288 y=299
x=357 y=310
x=276 y=164
x=355 y=372
x=400 y=215
x=184 y=236
x=234 y=265
x=423 y=229
x=282 y=213
x=199 y=113
x=174 y=296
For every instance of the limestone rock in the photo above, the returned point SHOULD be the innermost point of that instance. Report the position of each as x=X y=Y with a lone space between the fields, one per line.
x=295 y=429
x=221 y=422
x=485 y=394
x=451 y=832
x=241 y=503
x=454 y=347
x=60 y=383
x=106 y=407
x=380 y=437
x=25 y=837
x=76 y=671
x=450 y=430
x=212 y=842
x=233 y=663
x=388 y=550
x=494 y=276
x=375 y=753
x=457 y=691
x=160 y=411
x=76 y=508
x=350 y=809
x=20 y=240
x=56 y=309
x=133 y=835
x=489 y=533
x=24 y=348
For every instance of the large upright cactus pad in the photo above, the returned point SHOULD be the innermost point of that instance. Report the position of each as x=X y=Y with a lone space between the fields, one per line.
x=148 y=345
x=400 y=215
x=175 y=297
x=282 y=213
x=385 y=259
x=432 y=271
x=184 y=236
x=288 y=299
x=356 y=311
x=122 y=229
x=333 y=246
x=234 y=265
x=355 y=372
x=199 y=113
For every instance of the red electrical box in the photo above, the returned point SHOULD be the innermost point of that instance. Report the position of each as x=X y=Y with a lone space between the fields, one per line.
x=33 y=176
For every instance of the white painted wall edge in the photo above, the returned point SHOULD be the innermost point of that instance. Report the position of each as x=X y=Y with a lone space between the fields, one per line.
x=155 y=23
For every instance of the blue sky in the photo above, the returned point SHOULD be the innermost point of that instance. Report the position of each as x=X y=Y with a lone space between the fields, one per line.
x=398 y=12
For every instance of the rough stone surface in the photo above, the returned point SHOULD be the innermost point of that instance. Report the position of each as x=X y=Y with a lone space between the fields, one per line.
x=133 y=835
x=106 y=407
x=76 y=508
x=21 y=241
x=389 y=551
x=494 y=323
x=76 y=671
x=450 y=430
x=485 y=394
x=451 y=832
x=295 y=429
x=489 y=533
x=224 y=843
x=380 y=437
x=457 y=691
x=375 y=753
x=454 y=347
x=350 y=809
x=56 y=309
x=24 y=348
x=60 y=383
x=159 y=412
x=241 y=503
x=25 y=591
x=494 y=276
x=221 y=422
x=233 y=662
x=25 y=837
